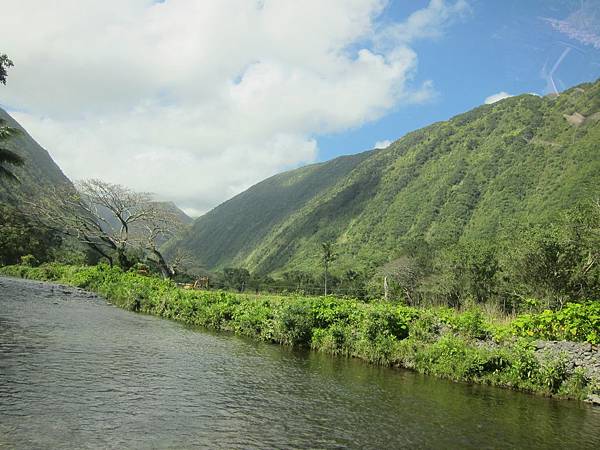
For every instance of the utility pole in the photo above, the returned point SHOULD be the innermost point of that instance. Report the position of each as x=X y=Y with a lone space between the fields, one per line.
x=385 y=288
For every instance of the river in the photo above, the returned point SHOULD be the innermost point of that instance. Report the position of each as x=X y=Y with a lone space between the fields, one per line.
x=76 y=372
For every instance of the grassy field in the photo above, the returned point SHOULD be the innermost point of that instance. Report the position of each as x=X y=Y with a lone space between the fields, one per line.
x=469 y=345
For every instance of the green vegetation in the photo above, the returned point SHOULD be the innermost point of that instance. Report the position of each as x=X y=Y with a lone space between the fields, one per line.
x=575 y=322
x=19 y=236
x=240 y=225
x=37 y=172
x=5 y=63
x=463 y=346
x=482 y=234
x=480 y=208
x=8 y=157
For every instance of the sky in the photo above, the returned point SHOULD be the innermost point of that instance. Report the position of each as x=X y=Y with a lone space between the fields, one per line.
x=196 y=100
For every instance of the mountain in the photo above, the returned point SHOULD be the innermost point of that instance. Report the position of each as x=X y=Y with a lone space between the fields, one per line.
x=39 y=170
x=521 y=160
x=229 y=233
x=173 y=209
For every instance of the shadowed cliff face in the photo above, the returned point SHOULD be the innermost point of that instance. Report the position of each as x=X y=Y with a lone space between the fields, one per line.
x=39 y=170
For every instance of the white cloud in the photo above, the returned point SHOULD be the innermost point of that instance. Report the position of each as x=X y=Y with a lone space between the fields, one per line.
x=197 y=100
x=582 y=25
x=382 y=144
x=497 y=97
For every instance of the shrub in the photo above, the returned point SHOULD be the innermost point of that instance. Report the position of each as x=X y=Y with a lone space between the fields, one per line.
x=575 y=322
x=523 y=365
x=335 y=340
x=426 y=328
x=293 y=324
x=553 y=373
x=251 y=318
x=29 y=261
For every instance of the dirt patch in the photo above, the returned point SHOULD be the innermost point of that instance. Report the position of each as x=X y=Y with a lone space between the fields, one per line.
x=575 y=119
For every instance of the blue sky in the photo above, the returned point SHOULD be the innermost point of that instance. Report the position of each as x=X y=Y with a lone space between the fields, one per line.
x=499 y=46
x=197 y=100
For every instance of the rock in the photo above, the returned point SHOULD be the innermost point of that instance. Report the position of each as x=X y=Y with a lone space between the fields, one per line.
x=575 y=119
x=593 y=398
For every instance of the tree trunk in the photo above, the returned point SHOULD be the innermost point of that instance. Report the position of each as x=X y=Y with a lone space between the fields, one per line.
x=385 y=288
x=165 y=270
x=101 y=253
x=123 y=260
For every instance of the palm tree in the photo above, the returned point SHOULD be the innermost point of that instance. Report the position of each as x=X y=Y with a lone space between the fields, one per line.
x=8 y=156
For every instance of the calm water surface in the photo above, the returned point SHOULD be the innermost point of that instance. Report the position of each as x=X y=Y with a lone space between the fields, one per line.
x=76 y=372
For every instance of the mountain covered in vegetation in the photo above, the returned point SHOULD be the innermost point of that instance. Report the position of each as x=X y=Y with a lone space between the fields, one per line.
x=239 y=226
x=30 y=179
x=39 y=171
x=479 y=176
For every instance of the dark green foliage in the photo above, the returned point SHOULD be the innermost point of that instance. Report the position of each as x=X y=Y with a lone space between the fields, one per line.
x=5 y=63
x=294 y=323
x=235 y=278
x=19 y=236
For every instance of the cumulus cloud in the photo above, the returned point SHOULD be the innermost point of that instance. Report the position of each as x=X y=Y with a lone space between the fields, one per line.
x=382 y=144
x=497 y=97
x=197 y=100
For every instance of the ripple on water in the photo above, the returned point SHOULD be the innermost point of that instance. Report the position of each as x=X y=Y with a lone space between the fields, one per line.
x=76 y=372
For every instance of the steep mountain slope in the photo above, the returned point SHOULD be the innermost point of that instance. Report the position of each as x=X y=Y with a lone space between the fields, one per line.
x=241 y=224
x=39 y=170
x=521 y=160
x=173 y=209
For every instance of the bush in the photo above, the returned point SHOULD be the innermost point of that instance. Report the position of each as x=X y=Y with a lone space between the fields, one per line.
x=470 y=324
x=426 y=328
x=293 y=324
x=335 y=340
x=575 y=322
x=29 y=261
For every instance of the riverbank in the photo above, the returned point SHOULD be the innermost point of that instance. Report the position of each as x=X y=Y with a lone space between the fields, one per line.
x=462 y=346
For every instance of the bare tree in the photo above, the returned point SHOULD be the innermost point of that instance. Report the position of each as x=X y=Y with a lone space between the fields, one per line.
x=158 y=226
x=64 y=210
x=119 y=211
x=111 y=219
x=404 y=274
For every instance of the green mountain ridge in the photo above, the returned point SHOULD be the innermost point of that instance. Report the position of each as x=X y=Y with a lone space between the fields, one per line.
x=240 y=224
x=37 y=173
x=476 y=176
x=40 y=171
